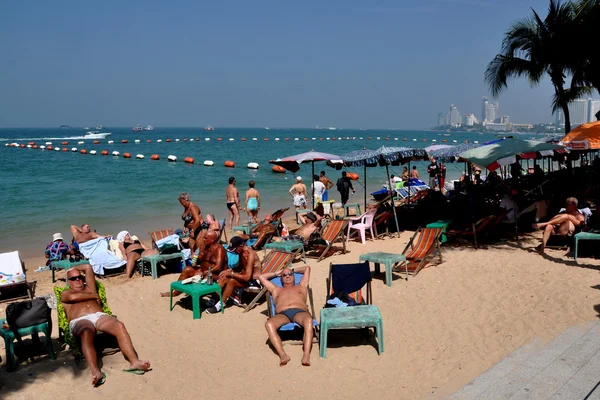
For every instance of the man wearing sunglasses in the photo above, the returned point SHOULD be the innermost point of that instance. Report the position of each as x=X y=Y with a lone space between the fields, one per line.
x=84 y=312
x=290 y=306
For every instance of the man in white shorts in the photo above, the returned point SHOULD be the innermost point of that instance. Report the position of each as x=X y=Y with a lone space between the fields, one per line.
x=299 y=194
x=84 y=312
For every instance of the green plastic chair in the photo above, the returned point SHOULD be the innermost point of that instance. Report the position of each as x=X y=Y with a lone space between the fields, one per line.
x=9 y=339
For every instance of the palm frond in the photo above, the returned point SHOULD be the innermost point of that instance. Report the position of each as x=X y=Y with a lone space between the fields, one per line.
x=502 y=67
x=569 y=95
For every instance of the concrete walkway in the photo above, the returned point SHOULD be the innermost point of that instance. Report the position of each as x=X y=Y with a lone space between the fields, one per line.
x=568 y=367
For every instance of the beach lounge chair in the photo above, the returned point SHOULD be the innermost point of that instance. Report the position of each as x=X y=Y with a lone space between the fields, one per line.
x=12 y=275
x=292 y=325
x=362 y=223
x=64 y=333
x=158 y=235
x=333 y=232
x=427 y=242
x=350 y=279
x=222 y=231
x=274 y=261
x=475 y=230
x=154 y=259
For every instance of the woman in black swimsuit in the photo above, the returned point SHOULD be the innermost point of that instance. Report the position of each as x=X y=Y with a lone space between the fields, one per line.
x=132 y=250
x=192 y=219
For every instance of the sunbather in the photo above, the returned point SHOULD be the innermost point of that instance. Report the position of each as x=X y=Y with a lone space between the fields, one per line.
x=564 y=223
x=132 y=250
x=230 y=279
x=212 y=225
x=261 y=232
x=308 y=233
x=82 y=306
x=290 y=306
x=212 y=256
x=83 y=234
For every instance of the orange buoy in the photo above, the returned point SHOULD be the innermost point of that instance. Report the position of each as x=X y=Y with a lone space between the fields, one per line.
x=197 y=139
x=320 y=138
x=287 y=139
x=35 y=146
x=168 y=140
x=104 y=152
x=334 y=138
x=65 y=143
x=124 y=141
x=31 y=143
x=219 y=139
x=444 y=141
x=189 y=160
x=65 y=149
x=229 y=164
x=126 y=155
x=424 y=140
x=278 y=169
x=352 y=176
x=83 y=151
x=305 y=138
x=405 y=139
x=369 y=138
x=148 y=141
x=49 y=148
x=96 y=142
x=185 y=139
x=243 y=139
x=387 y=138
x=22 y=146
x=155 y=157
x=266 y=139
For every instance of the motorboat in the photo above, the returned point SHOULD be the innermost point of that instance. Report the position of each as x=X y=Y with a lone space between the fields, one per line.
x=209 y=128
x=96 y=135
x=149 y=128
x=100 y=127
x=137 y=128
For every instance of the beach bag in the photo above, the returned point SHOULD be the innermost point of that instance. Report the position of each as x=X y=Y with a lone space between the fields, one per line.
x=27 y=313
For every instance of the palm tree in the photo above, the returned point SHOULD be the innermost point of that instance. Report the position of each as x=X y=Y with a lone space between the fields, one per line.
x=586 y=71
x=533 y=47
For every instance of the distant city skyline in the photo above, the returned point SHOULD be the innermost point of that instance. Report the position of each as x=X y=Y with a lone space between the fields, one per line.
x=248 y=64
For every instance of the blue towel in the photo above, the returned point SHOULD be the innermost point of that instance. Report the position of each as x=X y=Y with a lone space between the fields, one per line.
x=233 y=260
x=96 y=250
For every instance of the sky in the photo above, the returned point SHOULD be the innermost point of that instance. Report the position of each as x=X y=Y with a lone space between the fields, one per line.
x=280 y=63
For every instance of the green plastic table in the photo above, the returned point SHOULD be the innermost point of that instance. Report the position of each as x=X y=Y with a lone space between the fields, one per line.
x=387 y=259
x=156 y=258
x=196 y=290
x=9 y=338
x=444 y=224
x=583 y=236
x=244 y=228
x=350 y=317
x=287 y=247
x=65 y=264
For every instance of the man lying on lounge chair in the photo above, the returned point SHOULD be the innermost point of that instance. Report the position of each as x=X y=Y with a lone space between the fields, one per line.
x=564 y=223
x=290 y=306
x=308 y=233
x=82 y=306
x=83 y=234
x=261 y=232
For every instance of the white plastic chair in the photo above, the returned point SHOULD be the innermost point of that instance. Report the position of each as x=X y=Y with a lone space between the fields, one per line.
x=365 y=222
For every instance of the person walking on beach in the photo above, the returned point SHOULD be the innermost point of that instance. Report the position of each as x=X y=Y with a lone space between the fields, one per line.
x=344 y=185
x=317 y=188
x=433 y=170
x=252 y=202
x=328 y=185
x=233 y=203
x=414 y=173
x=442 y=177
x=299 y=193
x=192 y=219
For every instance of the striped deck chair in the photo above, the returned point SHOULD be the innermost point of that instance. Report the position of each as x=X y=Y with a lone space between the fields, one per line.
x=353 y=278
x=158 y=235
x=222 y=231
x=333 y=232
x=475 y=230
x=274 y=261
x=427 y=242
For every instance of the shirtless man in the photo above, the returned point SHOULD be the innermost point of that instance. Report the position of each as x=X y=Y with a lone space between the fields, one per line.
x=212 y=256
x=290 y=306
x=82 y=306
x=311 y=223
x=233 y=203
x=299 y=193
x=328 y=185
x=262 y=232
x=239 y=276
x=562 y=224
x=83 y=234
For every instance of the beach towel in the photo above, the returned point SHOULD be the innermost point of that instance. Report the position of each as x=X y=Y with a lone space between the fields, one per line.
x=174 y=239
x=11 y=269
x=96 y=250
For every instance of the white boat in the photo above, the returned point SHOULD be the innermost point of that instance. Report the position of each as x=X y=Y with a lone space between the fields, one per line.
x=96 y=135
x=209 y=128
x=149 y=128
x=137 y=128
x=100 y=127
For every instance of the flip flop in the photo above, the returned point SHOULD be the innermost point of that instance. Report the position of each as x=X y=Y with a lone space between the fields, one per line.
x=135 y=371
x=101 y=380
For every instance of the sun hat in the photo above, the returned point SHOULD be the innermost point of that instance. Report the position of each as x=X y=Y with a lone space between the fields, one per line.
x=298 y=178
x=121 y=236
x=57 y=236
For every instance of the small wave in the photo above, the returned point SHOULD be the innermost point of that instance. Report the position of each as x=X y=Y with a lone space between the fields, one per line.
x=45 y=138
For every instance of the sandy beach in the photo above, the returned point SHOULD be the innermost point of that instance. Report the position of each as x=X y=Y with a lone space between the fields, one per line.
x=441 y=328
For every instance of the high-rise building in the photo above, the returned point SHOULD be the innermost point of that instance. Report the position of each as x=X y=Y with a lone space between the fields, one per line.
x=505 y=119
x=593 y=108
x=470 y=120
x=578 y=113
x=454 y=116
x=441 y=119
x=484 y=103
x=490 y=112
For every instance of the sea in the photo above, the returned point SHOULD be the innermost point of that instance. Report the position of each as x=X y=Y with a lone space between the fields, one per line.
x=43 y=192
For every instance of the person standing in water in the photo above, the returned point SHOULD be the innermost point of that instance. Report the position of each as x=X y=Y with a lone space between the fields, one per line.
x=252 y=202
x=299 y=193
x=233 y=203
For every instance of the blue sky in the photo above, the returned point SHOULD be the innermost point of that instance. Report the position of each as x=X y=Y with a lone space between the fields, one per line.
x=363 y=64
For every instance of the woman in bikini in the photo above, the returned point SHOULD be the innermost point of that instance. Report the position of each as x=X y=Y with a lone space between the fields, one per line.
x=192 y=219
x=132 y=250
x=252 y=202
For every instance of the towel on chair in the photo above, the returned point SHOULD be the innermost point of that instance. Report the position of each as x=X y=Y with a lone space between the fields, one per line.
x=11 y=269
x=96 y=250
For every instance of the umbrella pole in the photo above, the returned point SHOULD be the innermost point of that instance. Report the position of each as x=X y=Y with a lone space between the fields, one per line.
x=365 y=172
x=387 y=171
x=313 y=186
x=408 y=187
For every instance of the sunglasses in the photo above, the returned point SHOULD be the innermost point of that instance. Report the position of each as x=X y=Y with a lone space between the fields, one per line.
x=287 y=274
x=77 y=278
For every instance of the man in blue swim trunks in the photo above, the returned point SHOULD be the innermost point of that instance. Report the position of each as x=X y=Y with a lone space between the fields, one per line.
x=290 y=306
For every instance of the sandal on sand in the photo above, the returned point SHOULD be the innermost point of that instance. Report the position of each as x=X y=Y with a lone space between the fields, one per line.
x=101 y=380
x=136 y=371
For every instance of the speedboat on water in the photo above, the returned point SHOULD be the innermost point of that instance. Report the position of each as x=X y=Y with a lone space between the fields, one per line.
x=96 y=135
x=137 y=128
x=149 y=128
x=100 y=127
x=209 y=128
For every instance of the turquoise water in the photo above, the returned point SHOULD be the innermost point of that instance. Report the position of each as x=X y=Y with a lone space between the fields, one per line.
x=43 y=192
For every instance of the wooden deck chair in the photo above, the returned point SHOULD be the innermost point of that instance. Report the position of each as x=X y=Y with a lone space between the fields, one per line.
x=222 y=231
x=474 y=231
x=158 y=235
x=427 y=242
x=333 y=232
x=292 y=325
x=12 y=275
x=274 y=261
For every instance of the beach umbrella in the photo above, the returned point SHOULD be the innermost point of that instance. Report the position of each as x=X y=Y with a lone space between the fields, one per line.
x=507 y=151
x=434 y=147
x=450 y=154
x=292 y=163
x=584 y=137
x=359 y=158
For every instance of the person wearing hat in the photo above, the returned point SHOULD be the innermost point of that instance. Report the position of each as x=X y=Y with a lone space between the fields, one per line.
x=240 y=275
x=57 y=249
x=299 y=193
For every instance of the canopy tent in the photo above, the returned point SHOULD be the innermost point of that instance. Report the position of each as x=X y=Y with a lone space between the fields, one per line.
x=292 y=163
x=507 y=151
x=584 y=137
